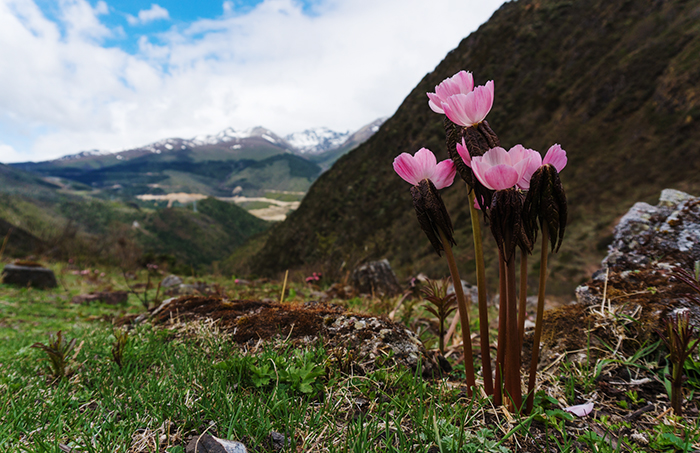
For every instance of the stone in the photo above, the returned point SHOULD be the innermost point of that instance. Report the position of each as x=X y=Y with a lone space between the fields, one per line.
x=210 y=444
x=279 y=441
x=36 y=277
x=377 y=278
x=170 y=281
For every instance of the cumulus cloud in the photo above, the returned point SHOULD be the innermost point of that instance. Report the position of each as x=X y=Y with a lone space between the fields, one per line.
x=348 y=63
x=156 y=12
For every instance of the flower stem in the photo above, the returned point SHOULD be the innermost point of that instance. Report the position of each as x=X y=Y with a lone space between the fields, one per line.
x=463 y=313
x=523 y=296
x=512 y=359
x=538 y=320
x=481 y=287
x=501 y=351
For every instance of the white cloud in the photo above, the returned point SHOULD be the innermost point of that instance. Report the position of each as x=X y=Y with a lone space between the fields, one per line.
x=349 y=63
x=9 y=154
x=156 y=12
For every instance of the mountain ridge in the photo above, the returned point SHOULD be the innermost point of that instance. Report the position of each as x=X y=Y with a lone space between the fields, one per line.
x=612 y=82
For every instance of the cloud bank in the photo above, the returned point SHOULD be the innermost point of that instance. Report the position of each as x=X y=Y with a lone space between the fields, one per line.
x=68 y=87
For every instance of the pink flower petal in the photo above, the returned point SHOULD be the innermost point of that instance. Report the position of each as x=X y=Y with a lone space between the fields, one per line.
x=405 y=167
x=496 y=177
x=479 y=103
x=454 y=109
x=464 y=153
x=444 y=174
x=580 y=410
x=435 y=103
x=426 y=162
x=555 y=156
x=495 y=156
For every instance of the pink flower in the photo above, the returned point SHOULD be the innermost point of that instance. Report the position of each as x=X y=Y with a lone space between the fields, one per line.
x=580 y=410
x=460 y=83
x=519 y=152
x=414 y=169
x=556 y=157
x=499 y=169
x=471 y=108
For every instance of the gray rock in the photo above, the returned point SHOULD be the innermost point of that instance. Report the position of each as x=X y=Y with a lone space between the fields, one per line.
x=170 y=281
x=470 y=291
x=375 y=277
x=36 y=277
x=279 y=441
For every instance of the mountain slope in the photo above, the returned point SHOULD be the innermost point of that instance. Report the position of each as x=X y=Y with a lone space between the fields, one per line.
x=613 y=81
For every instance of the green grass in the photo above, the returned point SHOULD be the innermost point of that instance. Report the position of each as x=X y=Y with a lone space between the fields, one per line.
x=180 y=380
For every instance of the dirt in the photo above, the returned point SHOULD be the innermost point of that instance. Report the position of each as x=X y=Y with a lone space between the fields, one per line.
x=371 y=341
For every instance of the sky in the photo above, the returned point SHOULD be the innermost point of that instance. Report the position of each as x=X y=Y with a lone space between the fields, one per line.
x=79 y=75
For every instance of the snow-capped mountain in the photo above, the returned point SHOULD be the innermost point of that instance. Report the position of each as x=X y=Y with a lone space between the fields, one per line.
x=317 y=140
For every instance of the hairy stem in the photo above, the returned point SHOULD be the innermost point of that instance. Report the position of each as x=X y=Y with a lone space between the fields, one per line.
x=463 y=313
x=481 y=286
x=538 y=320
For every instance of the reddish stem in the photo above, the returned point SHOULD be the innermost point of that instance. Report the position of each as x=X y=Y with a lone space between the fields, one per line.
x=512 y=359
x=483 y=307
x=463 y=314
x=501 y=351
x=538 y=321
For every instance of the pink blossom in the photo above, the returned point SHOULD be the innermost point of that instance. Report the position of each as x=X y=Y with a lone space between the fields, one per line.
x=519 y=152
x=580 y=410
x=460 y=83
x=499 y=169
x=424 y=165
x=556 y=157
x=471 y=108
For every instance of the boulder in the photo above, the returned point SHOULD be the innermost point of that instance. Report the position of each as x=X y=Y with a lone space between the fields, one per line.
x=376 y=277
x=34 y=276
x=649 y=244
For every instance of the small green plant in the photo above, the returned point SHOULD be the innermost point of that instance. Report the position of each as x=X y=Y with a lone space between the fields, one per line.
x=681 y=339
x=443 y=305
x=299 y=372
x=118 y=347
x=57 y=350
x=634 y=397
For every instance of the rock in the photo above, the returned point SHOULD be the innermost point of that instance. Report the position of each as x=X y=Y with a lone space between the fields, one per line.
x=279 y=441
x=108 y=297
x=170 y=281
x=649 y=243
x=210 y=444
x=376 y=277
x=470 y=291
x=36 y=277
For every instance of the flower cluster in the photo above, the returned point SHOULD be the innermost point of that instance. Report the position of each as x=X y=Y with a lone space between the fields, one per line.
x=517 y=189
x=316 y=276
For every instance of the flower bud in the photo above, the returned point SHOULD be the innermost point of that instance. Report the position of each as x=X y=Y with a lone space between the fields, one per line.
x=432 y=214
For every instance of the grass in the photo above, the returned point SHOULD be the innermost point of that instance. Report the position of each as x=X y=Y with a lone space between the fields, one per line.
x=181 y=380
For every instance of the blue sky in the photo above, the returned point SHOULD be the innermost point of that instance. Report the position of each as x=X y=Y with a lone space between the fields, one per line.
x=114 y=74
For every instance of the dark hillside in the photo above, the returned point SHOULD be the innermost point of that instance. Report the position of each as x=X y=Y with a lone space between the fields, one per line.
x=613 y=81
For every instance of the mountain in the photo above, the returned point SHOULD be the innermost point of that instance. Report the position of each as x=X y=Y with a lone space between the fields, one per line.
x=61 y=222
x=316 y=141
x=251 y=162
x=613 y=81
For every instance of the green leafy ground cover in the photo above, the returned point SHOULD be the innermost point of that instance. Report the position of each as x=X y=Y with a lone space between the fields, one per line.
x=186 y=379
